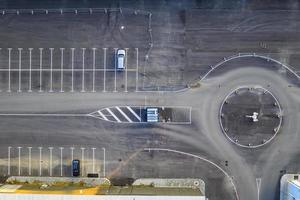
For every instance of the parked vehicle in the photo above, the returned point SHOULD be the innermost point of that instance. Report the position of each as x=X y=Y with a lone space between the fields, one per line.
x=120 y=59
x=76 y=167
x=152 y=115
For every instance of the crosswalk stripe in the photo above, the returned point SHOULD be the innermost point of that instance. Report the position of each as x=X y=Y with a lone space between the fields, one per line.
x=134 y=113
x=128 y=119
x=112 y=114
x=103 y=116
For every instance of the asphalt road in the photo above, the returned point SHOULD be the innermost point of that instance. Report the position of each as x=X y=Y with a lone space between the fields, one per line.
x=185 y=45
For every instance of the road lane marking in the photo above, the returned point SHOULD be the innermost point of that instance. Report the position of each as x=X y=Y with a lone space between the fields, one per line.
x=112 y=114
x=72 y=66
x=126 y=74
x=50 y=161
x=83 y=58
x=51 y=68
x=41 y=66
x=8 y=161
x=29 y=160
x=137 y=70
x=102 y=115
x=134 y=113
x=94 y=66
x=20 y=67
x=104 y=68
x=115 y=56
x=9 y=67
x=19 y=155
x=62 y=69
x=30 y=66
x=128 y=119
x=40 y=164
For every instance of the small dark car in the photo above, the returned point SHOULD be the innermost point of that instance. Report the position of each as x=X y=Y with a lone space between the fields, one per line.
x=76 y=167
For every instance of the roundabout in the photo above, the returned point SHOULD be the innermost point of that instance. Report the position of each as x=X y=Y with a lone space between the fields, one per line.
x=250 y=116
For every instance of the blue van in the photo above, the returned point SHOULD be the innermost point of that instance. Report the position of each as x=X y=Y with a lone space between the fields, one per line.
x=76 y=167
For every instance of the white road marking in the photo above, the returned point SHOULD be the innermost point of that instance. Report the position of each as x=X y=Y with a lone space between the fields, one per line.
x=82 y=161
x=104 y=67
x=41 y=65
x=40 y=151
x=112 y=114
x=20 y=67
x=61 y=161
x=93 y=160
x=115 y=56
x=72 y=158
x=51 y=67
x=134 y=113
x=137 y=70
x=9 y=67
x=19 y=155
x=104 y=161
x=128 y=119
x=94 y=66
x=103 y=116
x=29 y=160
x=50 y=161
x=83 y=59
x=62 y=69
x=44 y=114
x=72 y=65
x=126 y=74
x=258 y=185
x=30 y=66
x=8 y=161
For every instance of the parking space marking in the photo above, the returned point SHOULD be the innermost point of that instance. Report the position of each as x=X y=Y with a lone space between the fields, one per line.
x=40 y=163
x=72 y=66
x=137 y=70
x=126 y=69
x=93 y=161
x=104 y=161
x=72 y=158
x=30 y=63
x=61 y=161
x=82 y=160
x=50 y=161
x=134 y=113
x=8 y=161
x=29 y=160
x=9 y=67
x=19 y=164
x=128 y=119
x=83 y=58
x=51 y=68
x=41 y=66
x=20 y=67
x=115 y=58
x=94 y=66
x=104 y=67
x=112 y=114
x=62 y=69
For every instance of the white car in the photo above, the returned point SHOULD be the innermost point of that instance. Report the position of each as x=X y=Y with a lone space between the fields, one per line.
x=120 y=58
x=152 y=115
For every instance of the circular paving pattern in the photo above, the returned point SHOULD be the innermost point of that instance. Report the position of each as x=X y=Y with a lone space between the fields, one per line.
x=250 y=116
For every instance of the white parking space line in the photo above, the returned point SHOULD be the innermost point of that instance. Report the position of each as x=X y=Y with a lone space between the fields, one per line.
x=104 y=161
x=115 y=57
x=134 y=113
x=62 y=69
x=128 y=119
x=93 y=149
x=41 y=66
x=102 y=115
x=104 y=67
x=20 y=67
x=61 y=161
x=40 y=163
x=30 y=66
x=29 y=160
x=112 y=114
x=126 y=69
x=19 y=156
x=8 y=161
x=72 y=66
x=137 y=70
x=94 y=66
x=83 y=59
x=50 y=161
x=82 y=161
x=72 y=158
x=51 y=68
x=9 y=67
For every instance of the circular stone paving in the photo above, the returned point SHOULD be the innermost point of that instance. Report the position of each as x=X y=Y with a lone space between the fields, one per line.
x=250 y=117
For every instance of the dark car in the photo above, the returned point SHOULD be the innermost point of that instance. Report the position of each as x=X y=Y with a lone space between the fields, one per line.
x=76 y=167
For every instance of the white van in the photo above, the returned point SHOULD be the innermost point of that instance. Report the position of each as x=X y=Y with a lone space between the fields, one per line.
x=120 y=59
